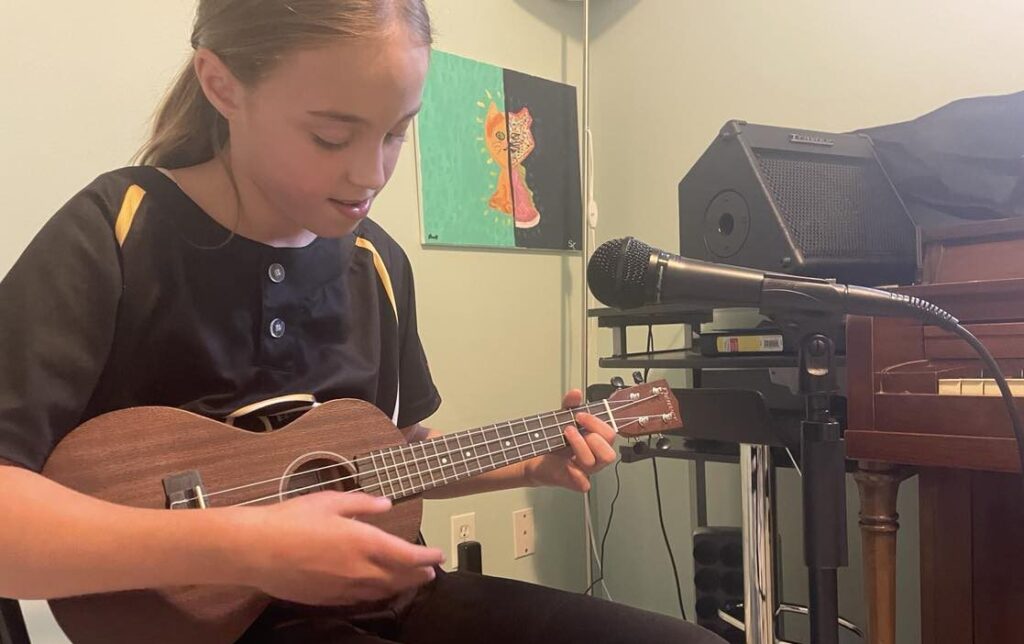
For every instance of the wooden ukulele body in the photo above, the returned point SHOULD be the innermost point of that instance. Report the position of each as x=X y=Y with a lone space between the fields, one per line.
x=124 y=456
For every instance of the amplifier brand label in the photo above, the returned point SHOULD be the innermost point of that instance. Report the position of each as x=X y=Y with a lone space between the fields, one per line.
x=811 y=139
x=749 y=343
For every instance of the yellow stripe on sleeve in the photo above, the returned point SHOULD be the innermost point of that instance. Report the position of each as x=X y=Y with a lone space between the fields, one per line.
x=132 y=200
x=382 y=271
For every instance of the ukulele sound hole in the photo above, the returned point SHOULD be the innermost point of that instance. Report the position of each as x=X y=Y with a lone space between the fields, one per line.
x=317 y=475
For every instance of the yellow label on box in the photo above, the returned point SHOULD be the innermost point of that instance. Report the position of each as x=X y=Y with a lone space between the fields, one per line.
x=749 y=343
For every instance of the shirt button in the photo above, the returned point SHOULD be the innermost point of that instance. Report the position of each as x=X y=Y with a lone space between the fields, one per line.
x=277 y=327
x=276 y=272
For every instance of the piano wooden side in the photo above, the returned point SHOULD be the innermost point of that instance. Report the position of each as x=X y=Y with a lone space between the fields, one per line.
x=971 y=500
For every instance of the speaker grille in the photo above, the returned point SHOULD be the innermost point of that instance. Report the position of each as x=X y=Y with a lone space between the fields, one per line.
x=839 y=207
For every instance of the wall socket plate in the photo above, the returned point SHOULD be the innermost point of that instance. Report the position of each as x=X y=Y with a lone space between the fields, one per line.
x=522 y=533
x=463 y=529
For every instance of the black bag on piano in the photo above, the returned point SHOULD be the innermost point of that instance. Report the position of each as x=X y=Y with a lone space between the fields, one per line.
x=962 y=161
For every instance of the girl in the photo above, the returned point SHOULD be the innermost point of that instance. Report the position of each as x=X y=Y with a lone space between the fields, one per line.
x=235 y=274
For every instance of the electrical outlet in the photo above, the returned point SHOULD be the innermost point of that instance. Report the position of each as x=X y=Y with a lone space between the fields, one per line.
x=463 y=529
x=522 y=533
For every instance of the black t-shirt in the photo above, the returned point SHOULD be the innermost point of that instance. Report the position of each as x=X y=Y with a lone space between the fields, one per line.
x=132 y=295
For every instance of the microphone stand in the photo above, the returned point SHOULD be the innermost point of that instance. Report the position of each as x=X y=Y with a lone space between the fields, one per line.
x=823 y=464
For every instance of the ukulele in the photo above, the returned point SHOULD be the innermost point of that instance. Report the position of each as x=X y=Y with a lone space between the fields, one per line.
x=161 y=457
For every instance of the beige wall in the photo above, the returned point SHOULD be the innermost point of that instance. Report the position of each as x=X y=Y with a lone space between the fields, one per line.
x=80 y=82
x=666 y=75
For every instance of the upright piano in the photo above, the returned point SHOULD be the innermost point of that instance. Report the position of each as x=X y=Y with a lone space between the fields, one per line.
x=920 y=402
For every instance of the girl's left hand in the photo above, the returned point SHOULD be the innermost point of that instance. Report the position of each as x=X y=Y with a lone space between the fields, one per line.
x=571 y=468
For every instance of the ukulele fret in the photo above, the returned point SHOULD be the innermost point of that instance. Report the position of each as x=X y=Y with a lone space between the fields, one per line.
x=408 y=472
x=434 y=461
x=426 y=461
x=378 y=471
x=511 y=442
x=481 y=446
x=562 y=418
x=536 y=432
x=457 y=459
x=396 y=473
x=492 y=444
x=523 y=439
x=446 y=461
x=385 y=473
x=468 y=456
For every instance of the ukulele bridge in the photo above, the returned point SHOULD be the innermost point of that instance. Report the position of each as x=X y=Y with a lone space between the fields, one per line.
x=184 y=491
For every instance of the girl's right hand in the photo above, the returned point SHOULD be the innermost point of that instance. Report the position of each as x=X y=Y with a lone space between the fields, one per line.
x=314 y=550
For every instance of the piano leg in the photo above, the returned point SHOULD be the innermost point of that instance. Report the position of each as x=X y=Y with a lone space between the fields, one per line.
x=879 y=523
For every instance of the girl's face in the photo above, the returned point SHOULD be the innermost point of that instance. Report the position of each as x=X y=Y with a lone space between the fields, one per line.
x=319 y=137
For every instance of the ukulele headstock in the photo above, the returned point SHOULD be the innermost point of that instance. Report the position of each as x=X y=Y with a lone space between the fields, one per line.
x=646 y=408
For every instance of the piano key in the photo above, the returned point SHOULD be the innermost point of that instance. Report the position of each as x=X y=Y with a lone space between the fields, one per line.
x=950 y=386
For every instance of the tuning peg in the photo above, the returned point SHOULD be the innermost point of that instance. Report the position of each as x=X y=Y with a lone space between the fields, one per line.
x=663 y=443
x=638 y=377
x=618 y=382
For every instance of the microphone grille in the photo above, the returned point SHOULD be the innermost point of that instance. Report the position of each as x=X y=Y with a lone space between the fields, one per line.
x=617 y=271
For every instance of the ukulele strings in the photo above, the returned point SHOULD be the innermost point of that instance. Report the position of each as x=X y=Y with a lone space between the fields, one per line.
x=470 y=434
x=446 y=451
x=605 y=410
x=426 y=457
x=445 y=479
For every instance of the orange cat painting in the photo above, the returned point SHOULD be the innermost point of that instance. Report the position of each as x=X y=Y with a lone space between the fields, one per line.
x=510 y=141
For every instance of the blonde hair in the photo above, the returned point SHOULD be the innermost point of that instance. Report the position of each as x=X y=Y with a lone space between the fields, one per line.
x=250 y=37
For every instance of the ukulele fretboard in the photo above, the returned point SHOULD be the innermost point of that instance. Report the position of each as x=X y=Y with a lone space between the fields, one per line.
x=411 y=469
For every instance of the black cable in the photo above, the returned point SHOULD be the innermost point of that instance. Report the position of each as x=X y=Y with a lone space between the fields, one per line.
x=657 y=494
x=650 y=347
x=1004 y=387
x=618 y=488
x=607 y=527
x=935 y=315
x=664 y=533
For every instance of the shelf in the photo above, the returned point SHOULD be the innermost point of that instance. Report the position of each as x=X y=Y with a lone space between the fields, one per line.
x=655 y=314
x=687 y=359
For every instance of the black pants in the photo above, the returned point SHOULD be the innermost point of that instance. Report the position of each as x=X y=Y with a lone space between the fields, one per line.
x=461 y=608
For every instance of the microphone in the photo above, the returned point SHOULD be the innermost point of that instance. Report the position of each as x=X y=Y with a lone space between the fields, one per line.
x=625 y=273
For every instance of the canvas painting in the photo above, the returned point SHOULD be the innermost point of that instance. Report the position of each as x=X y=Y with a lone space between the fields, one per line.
x=498 y=158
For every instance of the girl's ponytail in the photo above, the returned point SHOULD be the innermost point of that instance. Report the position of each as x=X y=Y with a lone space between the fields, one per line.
x=187 y=130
